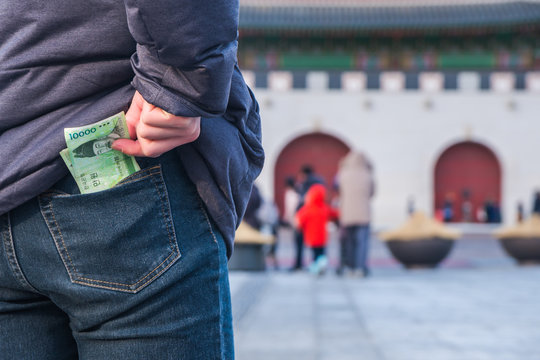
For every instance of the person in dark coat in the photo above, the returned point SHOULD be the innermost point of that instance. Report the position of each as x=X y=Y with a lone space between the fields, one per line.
x=291 y=202
x=536 y=203
x=307 y=178
x=138 y=270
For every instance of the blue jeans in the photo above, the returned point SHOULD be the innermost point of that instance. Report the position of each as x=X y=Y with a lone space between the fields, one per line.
x=138 y=271
x=355 y=246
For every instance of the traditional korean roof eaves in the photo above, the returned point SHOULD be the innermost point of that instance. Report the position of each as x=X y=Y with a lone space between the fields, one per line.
x=385 y=14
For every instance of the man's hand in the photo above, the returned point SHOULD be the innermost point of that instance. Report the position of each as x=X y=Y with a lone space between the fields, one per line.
x=154 y=131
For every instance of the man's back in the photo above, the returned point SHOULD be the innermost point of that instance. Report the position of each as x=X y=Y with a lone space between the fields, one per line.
x=105 y=274
x=49 y=61
x=56 y=72
x=68 y=64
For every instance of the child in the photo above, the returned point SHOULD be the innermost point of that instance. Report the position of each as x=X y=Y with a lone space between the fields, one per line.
x=312 y=219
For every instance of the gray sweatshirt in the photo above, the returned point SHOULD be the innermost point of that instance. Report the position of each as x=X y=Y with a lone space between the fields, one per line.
x=67 y=64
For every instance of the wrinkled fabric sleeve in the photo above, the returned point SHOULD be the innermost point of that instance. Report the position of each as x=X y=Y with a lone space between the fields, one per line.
x=229 y=152
x=186 y=52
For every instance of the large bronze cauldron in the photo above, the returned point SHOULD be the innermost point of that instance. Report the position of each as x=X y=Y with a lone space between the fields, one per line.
x=420 y=241
x=522 y=242
x=420 y=252
x=524 y=250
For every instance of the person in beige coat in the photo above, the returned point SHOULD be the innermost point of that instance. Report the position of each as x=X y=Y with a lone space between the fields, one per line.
x=356 y=188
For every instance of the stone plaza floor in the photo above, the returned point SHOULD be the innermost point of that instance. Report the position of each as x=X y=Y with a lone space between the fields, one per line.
x=478 y=305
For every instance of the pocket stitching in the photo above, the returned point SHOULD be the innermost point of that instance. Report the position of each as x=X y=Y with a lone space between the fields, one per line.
x=72 y=267
x=154 y=170
x=129 y=285
x=129 y=290
x=134 y=180
x=76 y=278
x=174 y=250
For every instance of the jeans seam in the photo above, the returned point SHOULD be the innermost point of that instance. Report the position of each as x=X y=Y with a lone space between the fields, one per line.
x=208 y=221
x=9 y=247
x=219 y=347
x=78 y=279
x=221 y=321
x=166 y=218
x=221 y=311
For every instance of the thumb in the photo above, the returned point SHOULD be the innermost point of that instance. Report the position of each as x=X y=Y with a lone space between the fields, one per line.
x=128 y=147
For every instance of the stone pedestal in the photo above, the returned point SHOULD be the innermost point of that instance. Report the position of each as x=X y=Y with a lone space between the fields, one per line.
x=250 y=257
x=249 y=249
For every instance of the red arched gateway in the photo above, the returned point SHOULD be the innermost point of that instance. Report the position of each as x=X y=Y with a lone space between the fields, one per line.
x=319 y=150
x=467 y=170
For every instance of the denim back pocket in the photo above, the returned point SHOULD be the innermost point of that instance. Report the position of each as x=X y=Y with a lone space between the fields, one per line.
x=120 y=239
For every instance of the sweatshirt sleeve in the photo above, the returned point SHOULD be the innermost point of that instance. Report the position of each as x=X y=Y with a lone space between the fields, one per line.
x=186 y=53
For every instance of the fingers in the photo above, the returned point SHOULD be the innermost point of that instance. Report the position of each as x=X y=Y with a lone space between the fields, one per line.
x=146 y=148
x=157 y=148
x=154 y=131
x=184 y=127
x=155 y=117
x=128 y=147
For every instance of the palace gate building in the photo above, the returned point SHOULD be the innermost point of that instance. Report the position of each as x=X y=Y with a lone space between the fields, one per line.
x=442 y=96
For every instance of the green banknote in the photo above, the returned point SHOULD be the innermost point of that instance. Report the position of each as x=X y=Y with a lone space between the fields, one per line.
x=92 y=162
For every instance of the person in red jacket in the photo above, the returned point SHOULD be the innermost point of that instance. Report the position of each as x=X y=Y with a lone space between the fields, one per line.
x=312 y=219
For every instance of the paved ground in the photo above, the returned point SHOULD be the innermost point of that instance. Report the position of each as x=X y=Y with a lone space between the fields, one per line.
x=478 y=305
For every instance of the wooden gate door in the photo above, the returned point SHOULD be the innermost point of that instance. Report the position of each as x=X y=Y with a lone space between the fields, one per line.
x=323 y=152
x=467 y=170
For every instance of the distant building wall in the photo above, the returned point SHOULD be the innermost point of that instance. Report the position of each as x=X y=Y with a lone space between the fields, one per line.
x=404 y=132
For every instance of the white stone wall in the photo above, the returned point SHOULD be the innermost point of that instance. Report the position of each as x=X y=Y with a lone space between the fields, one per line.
x=404 y=133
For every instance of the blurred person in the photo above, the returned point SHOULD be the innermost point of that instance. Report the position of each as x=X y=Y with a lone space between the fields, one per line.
x=466 y=206
x=306 y=179
x=356 y=189
x=268 y=216
x=291 y=204
x=291 y=200
x=497 y=216
x=410 y=206
x=481 y=214
x=137 y=271
x=489 y=211
x=536 y=203
x=492 y=211
x=520 y=212
x=312 y=219
x=448 y=208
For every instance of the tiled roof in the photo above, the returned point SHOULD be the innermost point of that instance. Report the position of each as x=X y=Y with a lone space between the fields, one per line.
x=369 y=15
